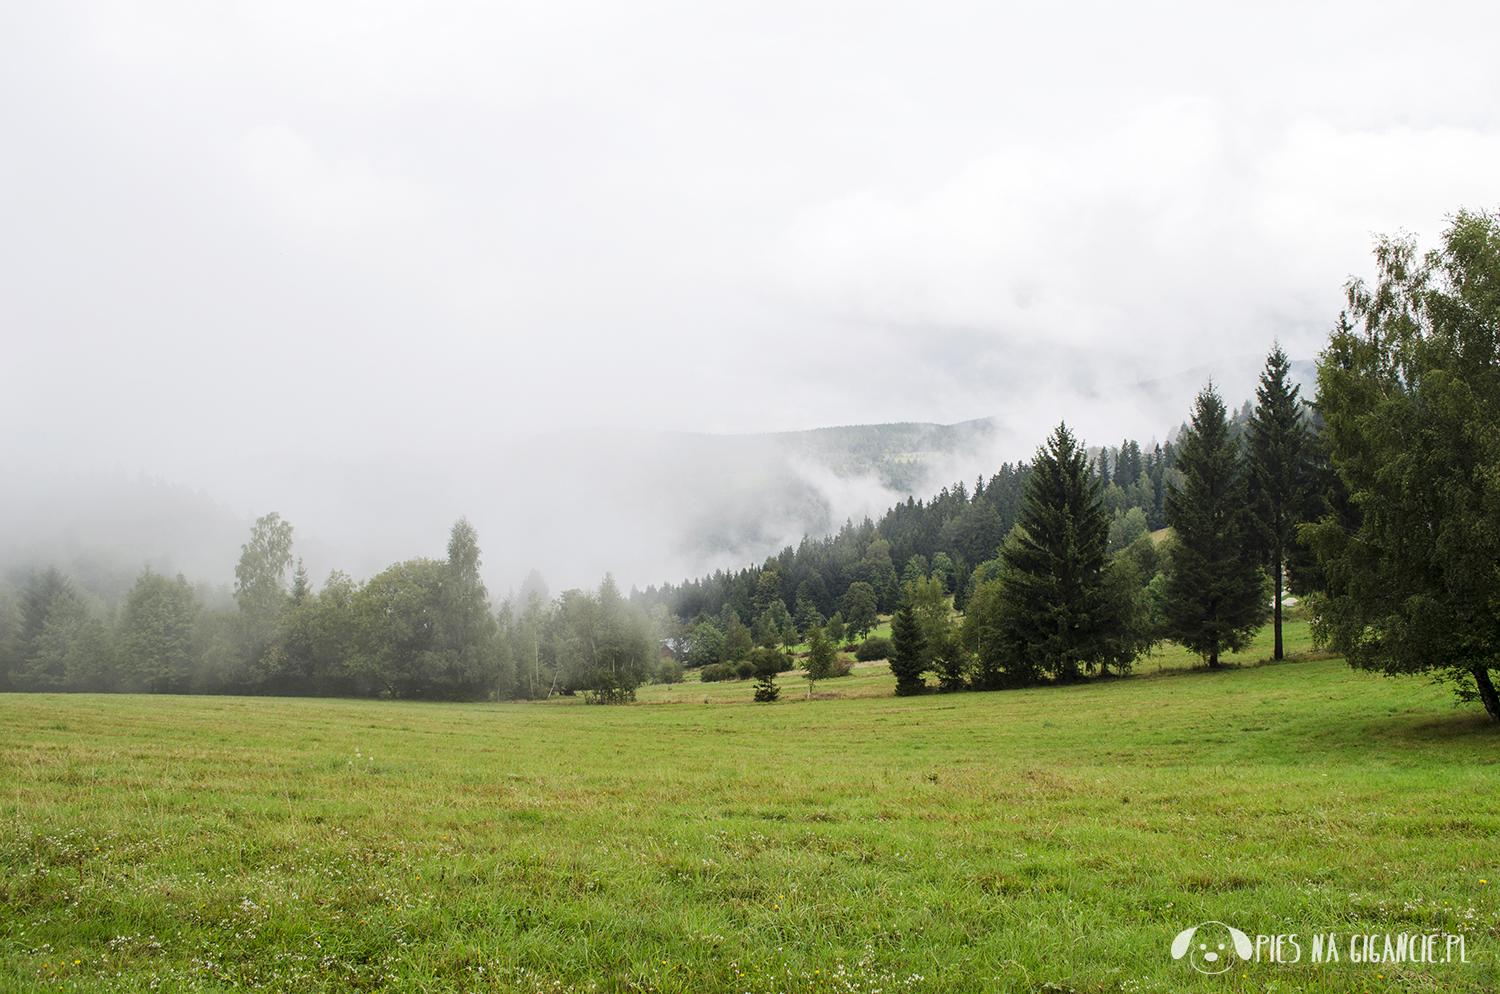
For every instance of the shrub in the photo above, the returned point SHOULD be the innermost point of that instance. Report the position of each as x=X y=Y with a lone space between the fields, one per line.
x=716 y=673
x=872 y=649
x=610 y=691
x=766 y=690
x=609 y=695
x=670 y=671
x=744 y=669
x=768 y=662
x=841 y=666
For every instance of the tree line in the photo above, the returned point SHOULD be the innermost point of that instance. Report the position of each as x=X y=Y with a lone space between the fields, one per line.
x=1379 y=503
x=423 y=628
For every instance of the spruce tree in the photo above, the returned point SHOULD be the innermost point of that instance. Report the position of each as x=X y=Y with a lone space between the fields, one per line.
x=767 y=663
x=1054 y=608
x=908 y=650
x=1278 y=450
x=1216 y=596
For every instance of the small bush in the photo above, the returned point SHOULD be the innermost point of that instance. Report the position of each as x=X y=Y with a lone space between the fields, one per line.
x=766 y=690
x=670 y=671
x=609 y=695
x=716 y=673
x=744 y=669
x=769 y=661
x=872 y=649
x=841 y=666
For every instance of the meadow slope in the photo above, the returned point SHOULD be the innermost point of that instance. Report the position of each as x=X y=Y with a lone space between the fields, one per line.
x=1046 y=839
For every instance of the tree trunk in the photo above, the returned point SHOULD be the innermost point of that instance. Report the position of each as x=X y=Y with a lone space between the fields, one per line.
x=1487 y=692
x=1276 y=610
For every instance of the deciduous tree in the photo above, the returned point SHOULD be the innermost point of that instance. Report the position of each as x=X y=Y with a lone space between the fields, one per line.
x=821 y=656
x=860 y=609
x=260 y=581
x=1410 y=395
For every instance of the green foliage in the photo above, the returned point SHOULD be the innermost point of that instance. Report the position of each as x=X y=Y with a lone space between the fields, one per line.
x=773 y=661
x=948 y=658
x=1136 y=631
x=1217 y=595
x=835 y=629
x=908 y=656
x=983 y=573
x=775 y=626
x=300 y=585
x=944 y=571
x=1278 y=449
x=1054 y=614
x=821 y=657
x=602 y=643
x=260 y=581
x=873 y=649
x=767 y=590
x=58 y=641
x=394 y=619
x=526 y=633
x=1126 y=528
x=1137 y=582
x=705 y=645
x=476 y=662
x=315 y=642
x=807 y=617
x=766 y=664
x=423 y=628
x=860 y=608
x=989 y=638
x=1410 y=396
x=157 y=647
x=931 y=604
x=717 y=673
x=916 y=570
x=738 y=640
x=879 y=572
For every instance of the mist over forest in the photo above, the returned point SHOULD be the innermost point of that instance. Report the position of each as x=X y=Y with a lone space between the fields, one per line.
x=647 y=506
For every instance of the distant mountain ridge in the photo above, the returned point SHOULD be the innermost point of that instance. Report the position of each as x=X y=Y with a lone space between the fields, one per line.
x=895 y=452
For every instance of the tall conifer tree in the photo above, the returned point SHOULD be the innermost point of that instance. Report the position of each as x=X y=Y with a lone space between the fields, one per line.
x=1216 y=593
x=908 y=649
x=1055 y=610
x=1280 y=479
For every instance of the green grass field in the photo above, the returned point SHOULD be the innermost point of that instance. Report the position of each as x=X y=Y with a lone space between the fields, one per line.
x=1047 y=839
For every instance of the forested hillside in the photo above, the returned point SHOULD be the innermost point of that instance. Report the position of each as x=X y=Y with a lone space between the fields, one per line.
x=949 y=535
x=418 y=628
x=1044 y=571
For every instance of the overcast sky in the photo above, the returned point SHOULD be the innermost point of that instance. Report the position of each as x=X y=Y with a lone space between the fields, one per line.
x=239 y=232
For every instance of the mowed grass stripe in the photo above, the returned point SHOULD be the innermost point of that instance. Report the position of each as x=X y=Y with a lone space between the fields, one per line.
x=996 y=841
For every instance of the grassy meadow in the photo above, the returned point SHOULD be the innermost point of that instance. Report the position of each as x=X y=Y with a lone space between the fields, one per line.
x=1048 y=839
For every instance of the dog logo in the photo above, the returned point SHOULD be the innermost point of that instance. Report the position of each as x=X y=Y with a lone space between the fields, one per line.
x=1211 y=947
